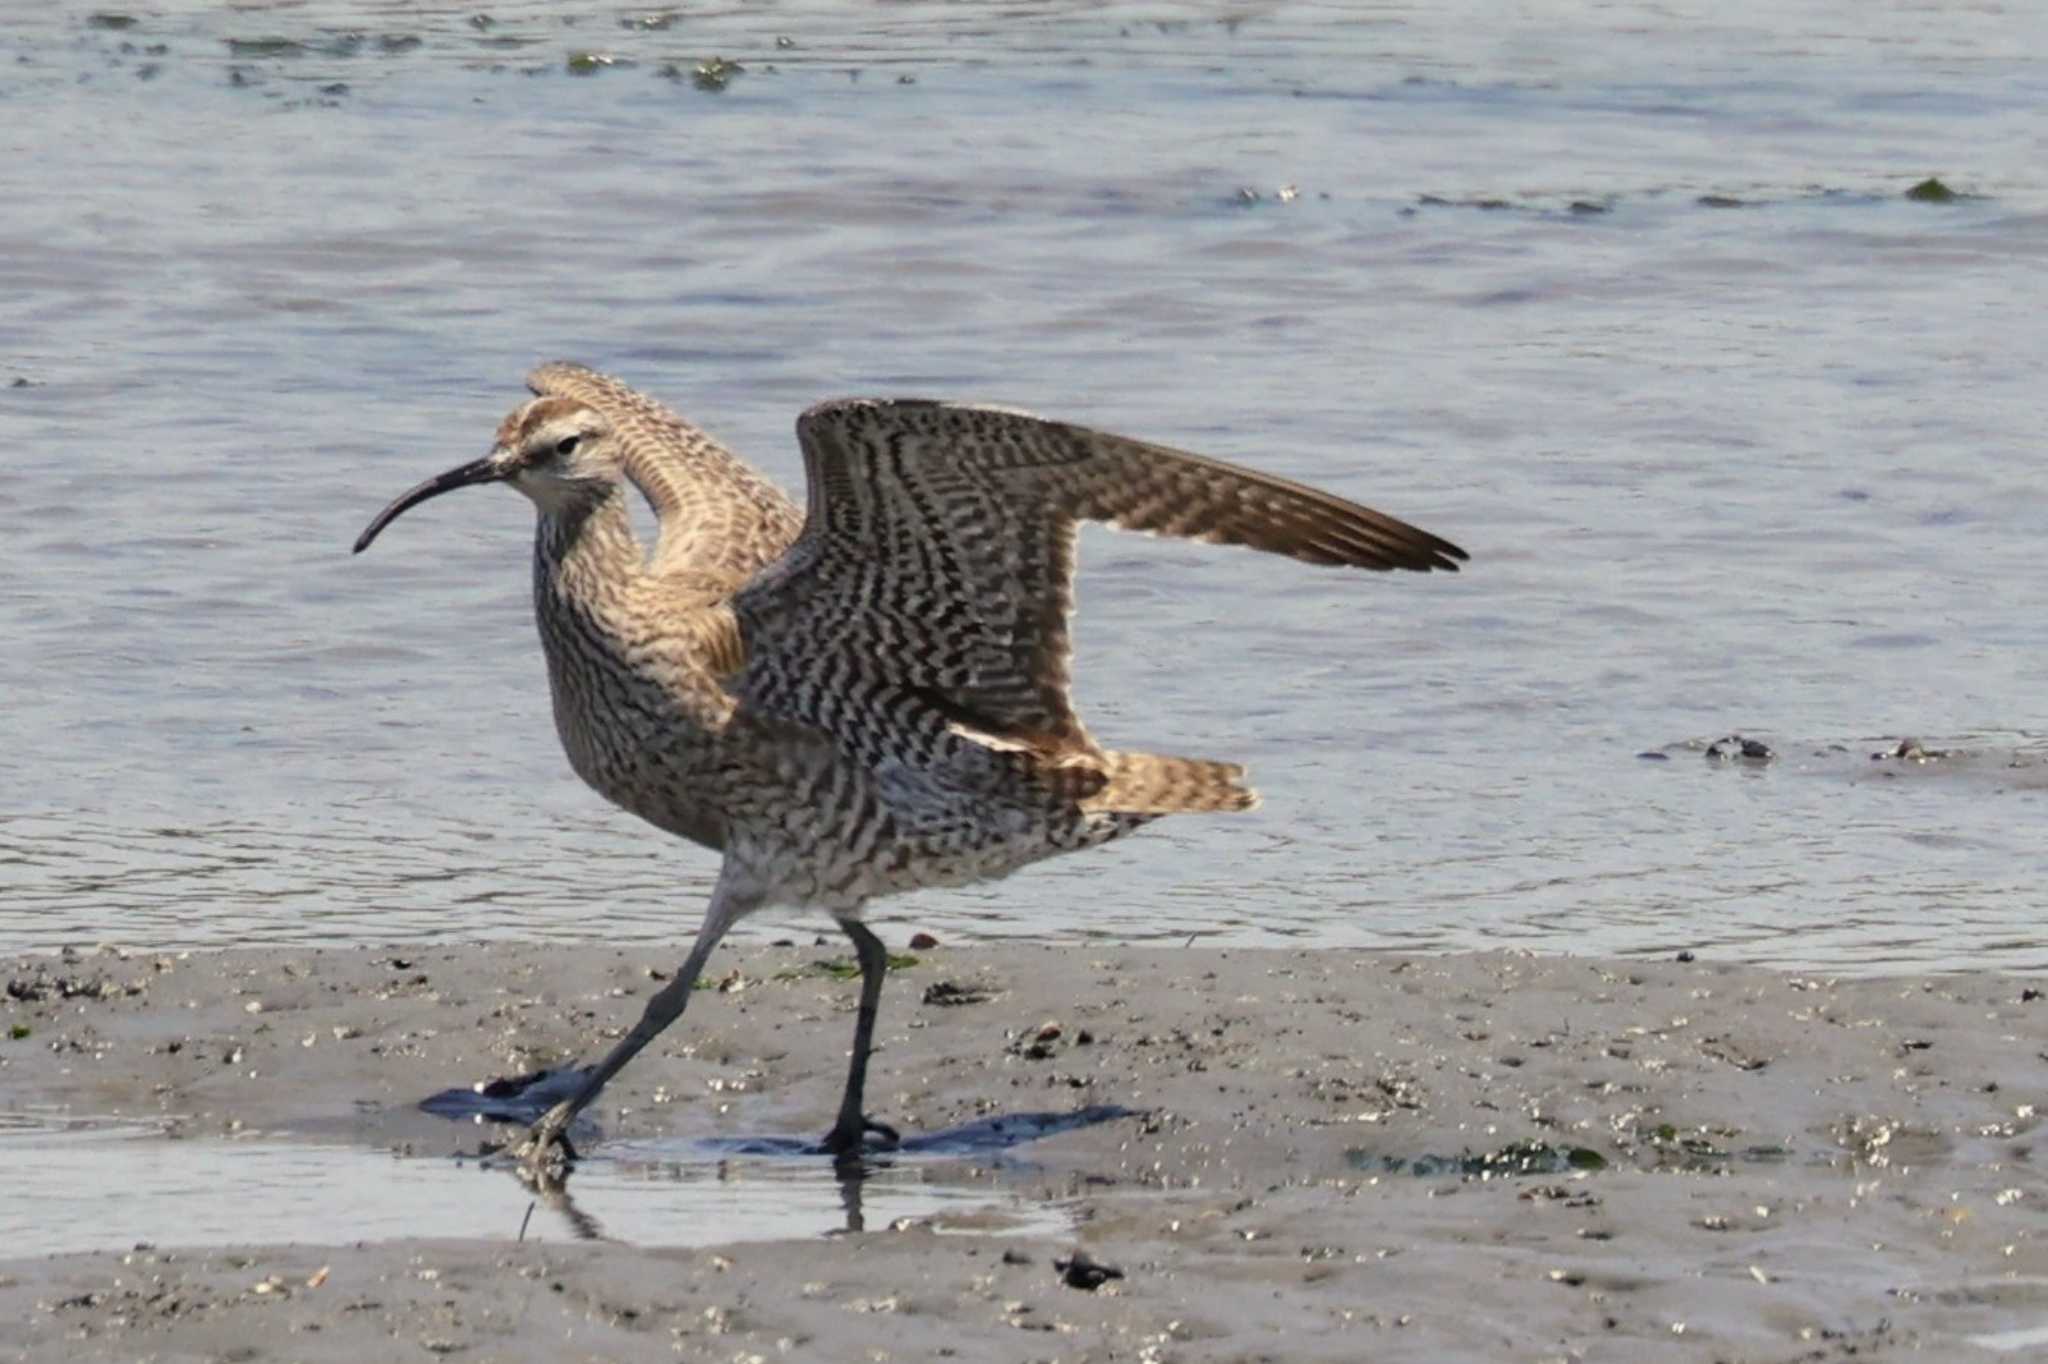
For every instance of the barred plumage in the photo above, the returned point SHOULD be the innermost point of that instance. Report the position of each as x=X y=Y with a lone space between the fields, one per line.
x=872 y=697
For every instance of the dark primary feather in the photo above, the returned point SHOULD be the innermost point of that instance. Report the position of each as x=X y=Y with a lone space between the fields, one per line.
x=937 y=557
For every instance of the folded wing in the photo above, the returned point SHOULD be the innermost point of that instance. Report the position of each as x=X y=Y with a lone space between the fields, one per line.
x=717 y=516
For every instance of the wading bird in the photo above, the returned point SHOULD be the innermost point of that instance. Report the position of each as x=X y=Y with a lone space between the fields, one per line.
x=871 y=697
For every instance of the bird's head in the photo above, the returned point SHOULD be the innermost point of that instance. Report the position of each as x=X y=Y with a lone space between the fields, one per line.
x=560 y=452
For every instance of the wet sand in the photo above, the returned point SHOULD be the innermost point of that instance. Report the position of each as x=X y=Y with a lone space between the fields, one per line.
x=1329 y=1155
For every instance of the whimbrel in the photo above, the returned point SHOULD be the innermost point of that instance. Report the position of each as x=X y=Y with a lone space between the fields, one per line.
x=871 y=697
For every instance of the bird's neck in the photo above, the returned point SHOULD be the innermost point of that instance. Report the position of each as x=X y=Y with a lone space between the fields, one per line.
x=585 y=553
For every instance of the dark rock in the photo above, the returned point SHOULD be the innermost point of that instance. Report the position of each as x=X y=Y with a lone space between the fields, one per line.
x=1083 y=1271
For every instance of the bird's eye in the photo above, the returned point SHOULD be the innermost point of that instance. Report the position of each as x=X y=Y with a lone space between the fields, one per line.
x=567 y=445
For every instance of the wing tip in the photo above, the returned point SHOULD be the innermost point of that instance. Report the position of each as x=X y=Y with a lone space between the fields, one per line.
x=1442 y=556
x=1416 y=551
x=545 y=378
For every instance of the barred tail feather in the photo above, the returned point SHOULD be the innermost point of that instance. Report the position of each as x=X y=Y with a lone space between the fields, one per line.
x=1150 y=784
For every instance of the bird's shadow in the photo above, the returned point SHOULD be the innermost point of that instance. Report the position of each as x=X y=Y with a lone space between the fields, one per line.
x=983 y=1136
x=512 y=1098
x=521 y=1100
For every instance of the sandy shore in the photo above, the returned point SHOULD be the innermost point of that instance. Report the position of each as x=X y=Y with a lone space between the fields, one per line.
x=1329 y=1156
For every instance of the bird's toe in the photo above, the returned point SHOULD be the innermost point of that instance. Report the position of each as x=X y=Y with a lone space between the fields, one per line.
x=851 y=1138
x=546 y=1152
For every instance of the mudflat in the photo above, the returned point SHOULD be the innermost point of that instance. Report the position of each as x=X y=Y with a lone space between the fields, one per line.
x=1241 y=1155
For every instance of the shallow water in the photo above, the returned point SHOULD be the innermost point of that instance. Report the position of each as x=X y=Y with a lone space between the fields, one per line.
x=1769 y=468
x=196 y=1193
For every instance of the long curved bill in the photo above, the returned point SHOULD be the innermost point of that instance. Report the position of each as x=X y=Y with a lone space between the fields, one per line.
x=476 y=471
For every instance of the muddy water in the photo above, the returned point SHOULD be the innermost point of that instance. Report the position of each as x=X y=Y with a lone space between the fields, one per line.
x=1633 y=306
x=195 y=1193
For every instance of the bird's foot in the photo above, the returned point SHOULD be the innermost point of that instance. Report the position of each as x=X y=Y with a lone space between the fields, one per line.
x=545 y=1156
x=850 y=1137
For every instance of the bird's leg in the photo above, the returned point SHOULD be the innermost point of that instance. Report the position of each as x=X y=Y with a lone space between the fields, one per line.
x=846 y=1135
x=546 y=1153
x=546 y=1150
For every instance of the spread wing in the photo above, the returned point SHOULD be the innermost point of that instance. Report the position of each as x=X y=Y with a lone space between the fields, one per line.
x=718 y=517
x=937 y=561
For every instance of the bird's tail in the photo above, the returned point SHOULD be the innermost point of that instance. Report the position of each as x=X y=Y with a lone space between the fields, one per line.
x=1152 y=784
